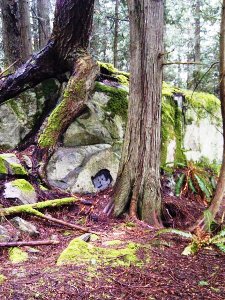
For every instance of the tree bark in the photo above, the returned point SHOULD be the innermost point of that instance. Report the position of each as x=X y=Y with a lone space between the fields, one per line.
x=25 y=29
x=16 y=31
x=116 y=35
x=220 y=189
x=71 y=31
x=44 y=30
x=138 y=184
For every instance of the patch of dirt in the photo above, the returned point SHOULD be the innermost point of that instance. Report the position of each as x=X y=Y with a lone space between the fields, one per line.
x=167 y=274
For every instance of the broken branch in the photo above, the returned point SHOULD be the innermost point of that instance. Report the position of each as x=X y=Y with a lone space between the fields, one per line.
x=29 y=243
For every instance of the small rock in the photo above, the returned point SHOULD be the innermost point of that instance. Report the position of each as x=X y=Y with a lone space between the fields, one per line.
x=22 y=190
x=4 y=235
x=10 y=164
x=25 y=226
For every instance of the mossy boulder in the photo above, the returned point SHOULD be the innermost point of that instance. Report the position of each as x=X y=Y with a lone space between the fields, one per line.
x=19 y=115
x=21 y=190
x=10 y=165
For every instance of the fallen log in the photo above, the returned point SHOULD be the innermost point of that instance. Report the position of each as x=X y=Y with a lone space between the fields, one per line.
x=33 y=210
x=28 y=208
x=29 y=243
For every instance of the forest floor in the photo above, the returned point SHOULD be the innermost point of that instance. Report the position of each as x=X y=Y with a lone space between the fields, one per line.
x=166 y=274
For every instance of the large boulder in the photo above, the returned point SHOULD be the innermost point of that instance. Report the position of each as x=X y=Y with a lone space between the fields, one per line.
x=97 y=125
x=73 y=169
x=18 y=116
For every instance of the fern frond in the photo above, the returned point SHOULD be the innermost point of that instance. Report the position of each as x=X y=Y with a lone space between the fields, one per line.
x=208 y=217
x=191 y=185
x=221 y=234
x=179 y=184
x=221 y=247
x=191 y=249
x=202 y=185
x=181 y=233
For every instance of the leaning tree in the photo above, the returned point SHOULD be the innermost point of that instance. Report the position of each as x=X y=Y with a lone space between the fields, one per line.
x=65 y=52
x=138 y=184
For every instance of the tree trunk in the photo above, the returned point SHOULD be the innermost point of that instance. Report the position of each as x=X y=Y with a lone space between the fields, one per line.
x=34 y=15
x=44 y=30
x=16 y=31
x=71 y=31
x=197 y=8
x=25 y=29
x=220 y=189
x=138 y=184
x=116 y=33
x=204 y=223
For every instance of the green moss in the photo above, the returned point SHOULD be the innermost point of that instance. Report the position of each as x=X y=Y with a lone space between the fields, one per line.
x=16 y=255
x=73 y=93
x=3 y=169
x=79 y=252
x=123 y=80
x=30 y=208
x=18 y=169
x=120 y=76
x=109 y=67
x=23 y=185
x=118 y=102
x=2 y=278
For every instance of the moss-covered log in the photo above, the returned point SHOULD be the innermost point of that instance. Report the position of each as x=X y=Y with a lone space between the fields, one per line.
x=30 y=208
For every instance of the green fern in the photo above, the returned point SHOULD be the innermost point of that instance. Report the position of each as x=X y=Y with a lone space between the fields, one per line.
x=221 y=247
x=202 y=186
x=179 y=184
x=184 y=234
x=191 y=249
x=208 y=217
x=191 y=185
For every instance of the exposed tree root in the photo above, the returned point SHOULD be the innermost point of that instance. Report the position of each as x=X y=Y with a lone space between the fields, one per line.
x=29 y=243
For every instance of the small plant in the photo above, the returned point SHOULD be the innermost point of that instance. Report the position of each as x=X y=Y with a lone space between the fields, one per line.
x=196 y=180
x=198 y=240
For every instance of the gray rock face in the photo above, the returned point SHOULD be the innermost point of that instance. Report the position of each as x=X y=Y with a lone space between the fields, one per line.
x=22 y=190
x=25 y=226
x=72 y=168
x=17 y=118
x=4 y=235
x=10 y=164
x=95 y=126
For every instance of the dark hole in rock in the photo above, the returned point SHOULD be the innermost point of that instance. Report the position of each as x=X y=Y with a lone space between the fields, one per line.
x=102 y=179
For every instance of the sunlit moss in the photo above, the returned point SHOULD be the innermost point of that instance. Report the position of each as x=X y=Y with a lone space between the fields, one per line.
x=16 y=255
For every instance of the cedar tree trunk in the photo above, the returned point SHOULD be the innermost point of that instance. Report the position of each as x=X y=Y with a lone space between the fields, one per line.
x=220 y=189
x=138 y=184
x=44 y=30
x=16 y=31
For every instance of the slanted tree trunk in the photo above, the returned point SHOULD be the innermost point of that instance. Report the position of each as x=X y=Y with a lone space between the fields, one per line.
x=220 y=189
x=69 y=39
x=138 y=184
x=16 y=31
x=43 y=14
x=66 y=51
x=205 y=221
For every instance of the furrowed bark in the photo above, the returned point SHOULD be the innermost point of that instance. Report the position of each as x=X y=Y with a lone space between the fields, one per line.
x=138 y=184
